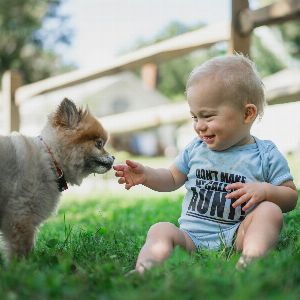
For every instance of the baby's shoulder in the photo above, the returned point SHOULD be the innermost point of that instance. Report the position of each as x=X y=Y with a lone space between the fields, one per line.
x=193 y=144
x=264 y=145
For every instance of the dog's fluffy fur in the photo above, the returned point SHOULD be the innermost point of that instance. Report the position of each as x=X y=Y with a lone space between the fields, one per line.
x=28 y=181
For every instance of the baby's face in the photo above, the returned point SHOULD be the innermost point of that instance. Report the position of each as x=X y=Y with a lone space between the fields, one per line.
x=217 y=120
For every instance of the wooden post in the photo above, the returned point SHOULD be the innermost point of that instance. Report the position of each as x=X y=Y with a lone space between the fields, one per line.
x=149 y=75
x=11 y=80
x=238 y=42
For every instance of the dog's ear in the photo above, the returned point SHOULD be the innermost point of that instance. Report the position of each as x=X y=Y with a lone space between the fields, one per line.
x=67 y=115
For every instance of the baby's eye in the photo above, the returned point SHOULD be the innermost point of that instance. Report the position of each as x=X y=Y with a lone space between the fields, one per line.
x=99 y=144
x=194 y=118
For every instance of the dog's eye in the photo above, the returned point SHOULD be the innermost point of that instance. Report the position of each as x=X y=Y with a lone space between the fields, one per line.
x=99 y=144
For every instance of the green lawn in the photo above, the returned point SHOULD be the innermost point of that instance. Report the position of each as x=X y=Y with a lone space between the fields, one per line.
x=84 y=251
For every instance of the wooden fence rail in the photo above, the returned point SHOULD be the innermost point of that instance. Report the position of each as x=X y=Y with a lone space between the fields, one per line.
x=243 y=22
x=275 y=13
x=171 y=48
x=178 y=113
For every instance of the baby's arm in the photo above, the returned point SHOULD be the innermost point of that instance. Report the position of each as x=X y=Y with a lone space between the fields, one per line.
x=161 y=179
x=284 y=195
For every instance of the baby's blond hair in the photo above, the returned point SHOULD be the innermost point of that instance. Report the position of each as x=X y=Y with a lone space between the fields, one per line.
x=237 y=74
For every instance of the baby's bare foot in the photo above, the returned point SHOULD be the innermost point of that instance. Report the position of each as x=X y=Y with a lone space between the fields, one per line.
x=244 y=261
x=141 y=268
x=132 y=272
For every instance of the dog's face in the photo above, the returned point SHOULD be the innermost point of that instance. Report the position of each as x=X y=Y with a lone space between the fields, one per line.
x=81 y=140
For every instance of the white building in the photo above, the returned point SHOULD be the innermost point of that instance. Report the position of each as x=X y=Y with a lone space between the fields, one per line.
x=105 y=96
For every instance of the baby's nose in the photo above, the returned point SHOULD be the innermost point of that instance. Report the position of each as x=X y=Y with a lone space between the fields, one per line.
x=201 y=125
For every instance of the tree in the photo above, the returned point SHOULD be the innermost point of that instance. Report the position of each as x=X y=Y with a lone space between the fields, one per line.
x=289 y=32
x=266 y=61
x=291 y=35
x=172 y=74
x=26 y=44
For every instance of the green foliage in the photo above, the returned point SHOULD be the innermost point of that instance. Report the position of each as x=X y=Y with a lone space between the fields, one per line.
x=84 y=252
x=291 y=36
x=266 y=61
x=289 y=32
x=172 y=74
x=26 y=40
x=173 y=29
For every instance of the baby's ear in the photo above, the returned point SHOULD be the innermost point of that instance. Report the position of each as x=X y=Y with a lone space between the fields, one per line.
x=250 y=113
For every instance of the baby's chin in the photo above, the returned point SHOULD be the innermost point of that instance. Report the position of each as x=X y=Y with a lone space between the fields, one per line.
x=217 y=147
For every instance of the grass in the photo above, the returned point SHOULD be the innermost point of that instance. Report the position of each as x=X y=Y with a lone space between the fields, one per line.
x=84 y=251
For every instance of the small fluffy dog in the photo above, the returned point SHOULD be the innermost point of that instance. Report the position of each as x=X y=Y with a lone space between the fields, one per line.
x=35 y=170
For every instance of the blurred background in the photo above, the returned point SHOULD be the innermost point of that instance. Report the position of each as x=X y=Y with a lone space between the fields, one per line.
x=128 y=61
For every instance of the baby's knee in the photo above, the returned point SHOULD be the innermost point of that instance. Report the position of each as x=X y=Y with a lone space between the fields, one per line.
x=271 y=210
x=160 y=229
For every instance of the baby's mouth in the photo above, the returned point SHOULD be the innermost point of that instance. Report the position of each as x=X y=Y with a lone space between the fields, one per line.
x=208 y=138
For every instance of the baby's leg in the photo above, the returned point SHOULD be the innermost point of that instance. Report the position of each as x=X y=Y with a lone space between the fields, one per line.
x=259 y=231
x=162 y=238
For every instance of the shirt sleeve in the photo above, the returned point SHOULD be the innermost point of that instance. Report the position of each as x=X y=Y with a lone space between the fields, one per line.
x=278 y=171
x=183 y=158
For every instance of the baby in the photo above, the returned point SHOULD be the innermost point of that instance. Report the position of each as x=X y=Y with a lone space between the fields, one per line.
x=237 y=185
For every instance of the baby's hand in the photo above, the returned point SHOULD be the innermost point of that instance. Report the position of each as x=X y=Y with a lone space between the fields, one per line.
x=131 y=174
x=251 y=193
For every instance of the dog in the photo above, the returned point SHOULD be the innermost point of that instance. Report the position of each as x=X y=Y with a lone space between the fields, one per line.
x=35 y=170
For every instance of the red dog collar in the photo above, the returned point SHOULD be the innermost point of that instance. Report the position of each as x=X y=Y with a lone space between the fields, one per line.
x=61 y=181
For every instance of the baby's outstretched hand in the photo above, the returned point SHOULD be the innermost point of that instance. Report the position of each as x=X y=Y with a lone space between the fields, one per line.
x=249 y=193
x=131 y=174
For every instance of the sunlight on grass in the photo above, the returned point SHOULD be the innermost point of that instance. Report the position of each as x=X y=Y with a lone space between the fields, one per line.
x=84 y=251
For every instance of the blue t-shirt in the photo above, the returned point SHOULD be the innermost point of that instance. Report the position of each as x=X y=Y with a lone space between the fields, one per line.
x=205 y=209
